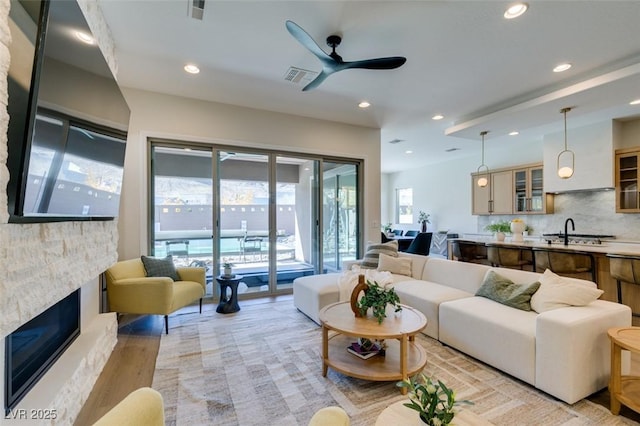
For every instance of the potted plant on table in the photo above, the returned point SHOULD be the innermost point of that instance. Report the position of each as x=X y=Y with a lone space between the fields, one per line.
x=423 y=219
x=375 y=297
x=499 y=229
x=434 y=401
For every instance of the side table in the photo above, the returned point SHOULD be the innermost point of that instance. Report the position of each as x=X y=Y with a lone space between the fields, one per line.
x=623 y=389
x=228 y=304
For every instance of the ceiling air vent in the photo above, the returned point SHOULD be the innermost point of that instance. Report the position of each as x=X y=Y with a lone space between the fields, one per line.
x=196 y=9
x=451 y=149
x=299 y=76
x=395 y=141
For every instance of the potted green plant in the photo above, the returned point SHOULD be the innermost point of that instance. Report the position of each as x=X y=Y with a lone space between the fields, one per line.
x=434 y=401
x=227 y=267
x=499 y=228
x=377 y=298
x=423 y=219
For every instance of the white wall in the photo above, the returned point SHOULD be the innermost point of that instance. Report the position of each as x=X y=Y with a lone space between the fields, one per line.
x=172 y=117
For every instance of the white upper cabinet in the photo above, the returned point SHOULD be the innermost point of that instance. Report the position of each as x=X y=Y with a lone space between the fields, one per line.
x=594 y=147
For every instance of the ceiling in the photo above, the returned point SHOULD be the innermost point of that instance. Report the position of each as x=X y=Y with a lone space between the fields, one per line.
x=464 y=61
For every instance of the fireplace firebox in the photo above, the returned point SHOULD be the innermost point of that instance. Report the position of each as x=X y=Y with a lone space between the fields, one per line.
x=34 y=347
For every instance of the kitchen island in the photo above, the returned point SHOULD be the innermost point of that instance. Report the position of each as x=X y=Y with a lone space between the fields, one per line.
x=630 y=292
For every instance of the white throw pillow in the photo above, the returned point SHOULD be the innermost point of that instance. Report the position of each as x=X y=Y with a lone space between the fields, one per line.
x=559 y=292
x=395 y=265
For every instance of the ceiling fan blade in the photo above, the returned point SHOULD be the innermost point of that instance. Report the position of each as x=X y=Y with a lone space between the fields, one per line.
x=378 y=63
x=319 y=79
x=305 y=40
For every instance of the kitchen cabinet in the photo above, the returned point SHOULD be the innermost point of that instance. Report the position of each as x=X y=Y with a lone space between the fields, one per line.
x=529 y=195
x=626 y=174
x=496 y=197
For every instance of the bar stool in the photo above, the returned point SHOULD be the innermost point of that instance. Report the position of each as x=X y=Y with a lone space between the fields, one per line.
x=508 y=257
x=564 y=262
x=467 y=251
x=624 y=268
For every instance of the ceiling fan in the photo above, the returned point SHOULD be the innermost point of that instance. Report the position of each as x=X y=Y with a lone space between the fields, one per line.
x=333 y=62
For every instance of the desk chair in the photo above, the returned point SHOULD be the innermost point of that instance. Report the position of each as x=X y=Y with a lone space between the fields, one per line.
x=397 y=232
x=411 y=233
x=564 y=262
x=384 y=238
x=624 y=268
x=508 y=257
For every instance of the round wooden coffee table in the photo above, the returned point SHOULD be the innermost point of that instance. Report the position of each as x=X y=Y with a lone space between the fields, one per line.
x=403 y=357
x=623 y=389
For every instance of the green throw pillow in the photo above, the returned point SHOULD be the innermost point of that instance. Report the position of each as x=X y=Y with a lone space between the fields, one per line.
x=371 y=257
x=505 y=291
x=156 y=267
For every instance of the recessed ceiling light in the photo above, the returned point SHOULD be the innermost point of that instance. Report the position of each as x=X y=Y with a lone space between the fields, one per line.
x=84 y=37
x=191 y=69
x=408 y=151
x=437 y=117
x=562 y=67
x=364 y=104
x=515 y=10
x=636 y=102
x=514 y=133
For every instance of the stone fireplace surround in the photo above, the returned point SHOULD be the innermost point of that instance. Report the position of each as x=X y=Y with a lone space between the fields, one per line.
x=42 y=263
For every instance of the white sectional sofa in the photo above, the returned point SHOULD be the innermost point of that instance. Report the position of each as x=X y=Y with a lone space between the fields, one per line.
x=564 y=352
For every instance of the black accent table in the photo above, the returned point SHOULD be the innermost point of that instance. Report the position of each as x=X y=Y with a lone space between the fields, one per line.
x=227 y=304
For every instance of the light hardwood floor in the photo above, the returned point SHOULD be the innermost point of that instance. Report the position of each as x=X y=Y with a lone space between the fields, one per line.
x=133 y=362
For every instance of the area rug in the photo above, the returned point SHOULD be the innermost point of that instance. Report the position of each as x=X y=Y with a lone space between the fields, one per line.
x=261 y=366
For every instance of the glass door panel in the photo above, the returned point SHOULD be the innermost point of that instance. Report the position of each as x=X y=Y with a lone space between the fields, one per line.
x=244 y=217
x=182 y=206
x=537 y=192
x=296 y=234
x=520 y=184
x=339 y=214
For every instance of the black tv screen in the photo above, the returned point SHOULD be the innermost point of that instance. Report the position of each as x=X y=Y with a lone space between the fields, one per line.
x=68 y=119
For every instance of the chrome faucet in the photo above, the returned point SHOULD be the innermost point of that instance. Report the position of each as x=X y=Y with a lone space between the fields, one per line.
x=566 y=233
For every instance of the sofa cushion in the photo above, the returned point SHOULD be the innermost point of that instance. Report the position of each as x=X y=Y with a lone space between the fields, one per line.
x=504 y=291
x=158 y=267
x=426 y=297
x=395 y=265
x=370 y=258
x=559 y=292
x=493 y=333
x=464 y=276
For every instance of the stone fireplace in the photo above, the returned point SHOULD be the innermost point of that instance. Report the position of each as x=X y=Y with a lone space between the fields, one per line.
x=42 y=263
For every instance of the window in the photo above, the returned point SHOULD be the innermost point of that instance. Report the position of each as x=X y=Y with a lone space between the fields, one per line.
x=404 y=205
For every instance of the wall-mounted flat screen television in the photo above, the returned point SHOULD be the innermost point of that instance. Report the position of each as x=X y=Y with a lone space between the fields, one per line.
x=68 y=119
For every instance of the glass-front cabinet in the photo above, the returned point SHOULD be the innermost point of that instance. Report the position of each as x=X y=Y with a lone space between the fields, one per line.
x=529 y=196
x=627 y=195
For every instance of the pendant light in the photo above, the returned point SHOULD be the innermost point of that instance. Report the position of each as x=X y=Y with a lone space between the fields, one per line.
x=483 y=179
x=567 y=157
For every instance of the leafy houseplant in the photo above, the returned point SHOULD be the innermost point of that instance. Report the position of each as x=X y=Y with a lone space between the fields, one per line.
x=502 y=226
x=434 y=401
x=377 y=298
x=423 y=219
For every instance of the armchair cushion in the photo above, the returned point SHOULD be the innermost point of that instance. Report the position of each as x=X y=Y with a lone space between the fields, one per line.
x=156 y=267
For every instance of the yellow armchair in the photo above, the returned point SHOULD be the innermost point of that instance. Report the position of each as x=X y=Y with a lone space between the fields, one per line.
x=142 y=407
x=130 y=291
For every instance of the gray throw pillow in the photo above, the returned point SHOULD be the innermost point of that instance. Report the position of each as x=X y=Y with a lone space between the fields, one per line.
x=371 y=257
x=157 y=267
x=505 y=291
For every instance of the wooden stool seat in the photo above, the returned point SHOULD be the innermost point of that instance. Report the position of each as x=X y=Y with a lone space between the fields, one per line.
x=564 y=262
x=624 y=268
x=507 y=257
x=467 y=251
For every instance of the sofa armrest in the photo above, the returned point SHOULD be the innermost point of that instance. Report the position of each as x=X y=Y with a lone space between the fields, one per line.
x=573 y=352
x=141 y=295
x=195 y=274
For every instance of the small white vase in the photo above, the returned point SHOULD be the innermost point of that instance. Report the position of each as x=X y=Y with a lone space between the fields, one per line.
x=500 y=236
x=517 y=228
x=228 y=272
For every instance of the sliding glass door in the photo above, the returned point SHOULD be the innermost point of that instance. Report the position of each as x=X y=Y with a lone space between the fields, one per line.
x=182 y=206
x=258 y=210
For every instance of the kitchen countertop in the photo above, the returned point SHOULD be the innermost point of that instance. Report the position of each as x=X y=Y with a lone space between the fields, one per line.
x=608 y=246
